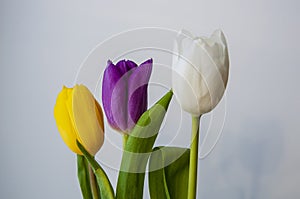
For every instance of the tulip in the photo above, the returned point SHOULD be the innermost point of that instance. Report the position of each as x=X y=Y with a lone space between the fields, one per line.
x=124 y=93
x=200 y=75
x=79 y=117
x=200 y=71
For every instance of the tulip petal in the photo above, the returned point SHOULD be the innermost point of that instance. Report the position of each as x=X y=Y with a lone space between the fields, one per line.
x=182 y=35
x=125 y=66
x=86 y=119
x=137 y=92
x=99 y=113
x=111 y=78
x=223 y=58
x=63 y=120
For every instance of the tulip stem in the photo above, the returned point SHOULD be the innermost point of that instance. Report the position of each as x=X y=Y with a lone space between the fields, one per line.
x=94 y=185
x=192 y=186
x=125 y=138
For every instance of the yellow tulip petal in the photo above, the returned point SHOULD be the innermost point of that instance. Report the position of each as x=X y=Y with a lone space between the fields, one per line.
x=63 y=120
x=86 y=114
x=99 y=115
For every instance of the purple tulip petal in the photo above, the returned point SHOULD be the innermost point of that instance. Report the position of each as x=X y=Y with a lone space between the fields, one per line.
x=126 y=66
x=137 y=92
x=114 y=96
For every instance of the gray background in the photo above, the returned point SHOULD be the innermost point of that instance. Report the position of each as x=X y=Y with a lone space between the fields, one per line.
x=43 y=43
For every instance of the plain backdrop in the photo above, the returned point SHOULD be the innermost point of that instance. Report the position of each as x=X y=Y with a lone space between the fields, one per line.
x=43 y=43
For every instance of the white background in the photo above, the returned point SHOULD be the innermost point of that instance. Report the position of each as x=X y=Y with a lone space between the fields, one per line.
x=43 y=43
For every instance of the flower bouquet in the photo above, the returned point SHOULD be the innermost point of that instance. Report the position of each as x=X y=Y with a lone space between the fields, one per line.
x=199 y=78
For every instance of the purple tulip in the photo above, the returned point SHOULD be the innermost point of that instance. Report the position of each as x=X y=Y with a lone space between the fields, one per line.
x=124 y=93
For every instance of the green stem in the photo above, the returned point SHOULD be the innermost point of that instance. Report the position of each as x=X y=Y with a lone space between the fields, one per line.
x=192 y=188
x=94 y=186
x=125 y=138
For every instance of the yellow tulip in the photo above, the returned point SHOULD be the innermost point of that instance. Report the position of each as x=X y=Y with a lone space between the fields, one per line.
x=79 y=117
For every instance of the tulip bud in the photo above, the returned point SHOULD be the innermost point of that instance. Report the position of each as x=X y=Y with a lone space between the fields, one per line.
x=124 y=93
x=200 y=71
x=79 y=117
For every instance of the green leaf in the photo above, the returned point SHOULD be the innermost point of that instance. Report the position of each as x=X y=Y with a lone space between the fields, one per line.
x=106 y=190
x=138 y=149
x=84 y=177
x=169 y=173
x=94 y=185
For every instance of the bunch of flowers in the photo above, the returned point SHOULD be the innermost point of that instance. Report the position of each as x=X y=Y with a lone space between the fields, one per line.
x=199 y=78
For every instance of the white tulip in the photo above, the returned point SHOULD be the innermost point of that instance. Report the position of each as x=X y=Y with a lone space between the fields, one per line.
x=200 y=71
